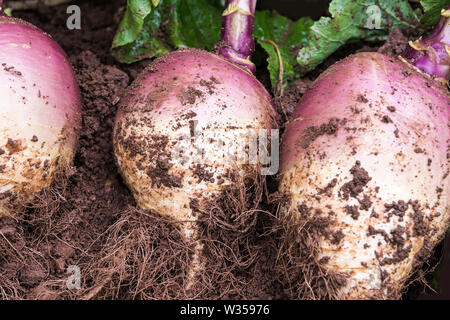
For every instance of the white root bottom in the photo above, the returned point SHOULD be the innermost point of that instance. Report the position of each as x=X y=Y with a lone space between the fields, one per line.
x=197 y=266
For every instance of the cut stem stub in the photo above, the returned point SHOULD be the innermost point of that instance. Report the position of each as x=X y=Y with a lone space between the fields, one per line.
x=237 y=42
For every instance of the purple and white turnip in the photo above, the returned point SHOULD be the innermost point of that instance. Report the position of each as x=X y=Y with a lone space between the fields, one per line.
x=182 y=125
x=366 y=156
x=39 y=110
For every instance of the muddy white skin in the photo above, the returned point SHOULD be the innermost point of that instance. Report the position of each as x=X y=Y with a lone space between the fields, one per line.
x=39 y=110
x=367 y=151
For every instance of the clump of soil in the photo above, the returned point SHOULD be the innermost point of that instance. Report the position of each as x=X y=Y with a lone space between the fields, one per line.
x=292 y=95
x=395 y=45
x=313 y=132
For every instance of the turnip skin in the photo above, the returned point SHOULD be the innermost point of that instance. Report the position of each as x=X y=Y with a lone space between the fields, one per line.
x=188 y=130
x=408 y=164
x=186 y=101
x=153 y=110
x=40 y=109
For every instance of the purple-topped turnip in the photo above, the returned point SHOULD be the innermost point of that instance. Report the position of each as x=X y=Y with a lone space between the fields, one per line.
x=365 y=163
x=39 y=110
x=182 y=127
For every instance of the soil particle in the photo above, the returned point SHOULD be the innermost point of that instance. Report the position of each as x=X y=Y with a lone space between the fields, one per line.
x=391 y=108
x=202 y=174
x=337 y=237
x=312 y=133
x=153 y=158
x=386 y=119
x=189 y=95
x=328 y=188
x=160 y=176
x=355 y=110
x=397 y=133
x=372 y=231
x=210 y=85
x=11 y=70
x=423 y=254
x=398 y=256
x=395 y=44
x=292 y=96
x=361 y=98
x=324 y=260
x=32 y=274
x=365 y=203
x=189 y=115
x=420 y=225
x=14 y=146
x=445 y=175
x=397 y=241
x=352 y=211
x=354 y=187
x=400 y=206
x=192 y=124
x=397 y=236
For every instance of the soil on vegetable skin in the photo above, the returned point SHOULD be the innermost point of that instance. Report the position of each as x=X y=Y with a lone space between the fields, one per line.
x=90 y=220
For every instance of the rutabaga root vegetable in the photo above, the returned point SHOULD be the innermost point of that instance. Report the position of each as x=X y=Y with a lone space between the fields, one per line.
x=39 y=111
x=184 y=123
x=365 y=163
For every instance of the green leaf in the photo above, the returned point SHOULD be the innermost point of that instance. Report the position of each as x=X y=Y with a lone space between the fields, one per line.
x=131 y=25
x=353 y=20
x=172 y=24
x=432 y=11
x=146 y=45
x=272 y=28
x=8 y=12
x=199 y=23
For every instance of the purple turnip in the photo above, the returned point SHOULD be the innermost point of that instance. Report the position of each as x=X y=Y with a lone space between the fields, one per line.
x=39 y=110
x=181 y=126
x=365 y=164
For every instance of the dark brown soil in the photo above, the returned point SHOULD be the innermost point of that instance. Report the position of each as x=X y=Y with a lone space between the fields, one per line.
x=90 y=219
